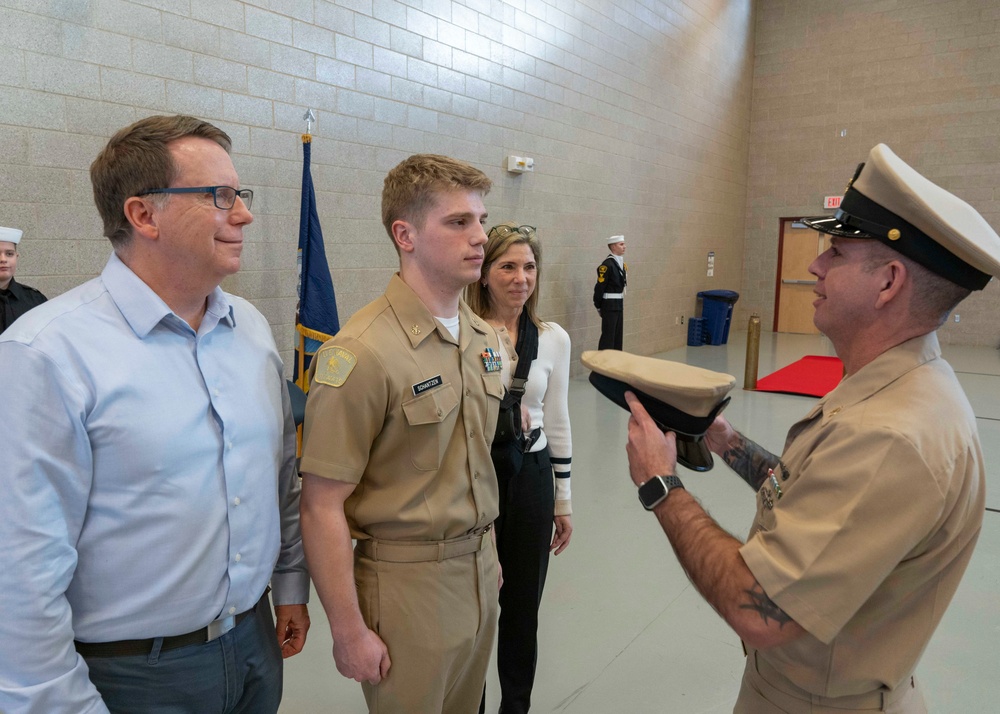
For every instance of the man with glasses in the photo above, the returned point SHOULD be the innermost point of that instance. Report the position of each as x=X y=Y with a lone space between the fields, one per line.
x=150 y=492
x=609 y=294
x=396 y=454
x=15 y=298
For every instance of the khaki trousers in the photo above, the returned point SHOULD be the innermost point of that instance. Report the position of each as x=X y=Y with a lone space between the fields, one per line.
x=439 y=621
x=766 y=691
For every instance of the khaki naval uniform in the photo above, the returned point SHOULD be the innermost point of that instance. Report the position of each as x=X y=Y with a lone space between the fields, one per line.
x=401 y=409
x=863 y=534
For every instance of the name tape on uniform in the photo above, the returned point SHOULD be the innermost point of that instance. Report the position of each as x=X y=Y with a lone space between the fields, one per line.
x=427 y=384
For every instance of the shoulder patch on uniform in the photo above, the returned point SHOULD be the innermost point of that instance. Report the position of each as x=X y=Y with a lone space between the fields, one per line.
x=334 y=365
x=602 y=269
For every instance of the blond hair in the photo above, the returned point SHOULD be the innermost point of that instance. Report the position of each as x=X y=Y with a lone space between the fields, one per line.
x=411 y=188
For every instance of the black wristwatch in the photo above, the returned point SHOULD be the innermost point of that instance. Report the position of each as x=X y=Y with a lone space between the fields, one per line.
x=656 y=489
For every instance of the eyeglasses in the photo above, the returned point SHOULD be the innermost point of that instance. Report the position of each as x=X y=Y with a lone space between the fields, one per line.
x=503 y=230
x=224 y=196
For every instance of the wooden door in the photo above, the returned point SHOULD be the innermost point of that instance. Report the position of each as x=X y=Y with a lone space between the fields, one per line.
x=799 y=247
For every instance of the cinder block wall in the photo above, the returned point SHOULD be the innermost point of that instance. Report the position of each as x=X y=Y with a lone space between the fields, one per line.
x=636 y=113
x=919 y=75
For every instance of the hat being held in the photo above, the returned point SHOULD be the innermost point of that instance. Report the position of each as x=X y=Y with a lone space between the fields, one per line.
x=10 y=235
x=616 y=239
x=889 y=201
x=679 y=397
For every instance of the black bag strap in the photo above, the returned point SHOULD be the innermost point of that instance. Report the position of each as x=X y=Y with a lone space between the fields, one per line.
x=527 y=350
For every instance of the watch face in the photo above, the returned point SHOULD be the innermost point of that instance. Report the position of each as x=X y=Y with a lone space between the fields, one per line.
x=652 y=492
x=656 y=489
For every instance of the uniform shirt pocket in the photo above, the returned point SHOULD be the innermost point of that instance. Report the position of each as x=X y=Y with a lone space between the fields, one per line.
x=424 y=417
x=491 y=381
x=494 y=388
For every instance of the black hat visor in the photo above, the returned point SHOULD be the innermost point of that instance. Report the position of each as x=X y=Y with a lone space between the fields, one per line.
x=692 y=451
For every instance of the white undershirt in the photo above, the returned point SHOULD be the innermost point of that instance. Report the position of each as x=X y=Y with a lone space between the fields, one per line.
x=450 y=324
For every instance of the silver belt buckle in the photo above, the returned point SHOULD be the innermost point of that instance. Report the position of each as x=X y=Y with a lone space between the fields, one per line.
x=218 y=628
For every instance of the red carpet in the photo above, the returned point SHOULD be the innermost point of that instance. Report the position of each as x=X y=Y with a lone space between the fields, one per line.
x=812 y=376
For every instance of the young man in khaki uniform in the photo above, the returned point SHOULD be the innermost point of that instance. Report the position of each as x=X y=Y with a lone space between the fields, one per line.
x=866 y=523
x=396 y=454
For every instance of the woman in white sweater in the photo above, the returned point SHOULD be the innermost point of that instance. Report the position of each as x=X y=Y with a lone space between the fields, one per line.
x=535 y=510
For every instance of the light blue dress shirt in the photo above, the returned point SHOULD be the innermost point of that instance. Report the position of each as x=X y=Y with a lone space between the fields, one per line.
x=147 y=480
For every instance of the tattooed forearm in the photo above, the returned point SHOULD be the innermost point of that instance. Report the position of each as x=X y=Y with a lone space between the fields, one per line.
x=764 y=606
x=712 y=560
x=750 y=461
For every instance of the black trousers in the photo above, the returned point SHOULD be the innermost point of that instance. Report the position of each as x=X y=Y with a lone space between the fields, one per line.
x=524 y=533
x=612 y=325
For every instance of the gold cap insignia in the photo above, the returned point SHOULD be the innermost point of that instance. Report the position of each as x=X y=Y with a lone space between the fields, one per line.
x=894 y=234
x=334 y=365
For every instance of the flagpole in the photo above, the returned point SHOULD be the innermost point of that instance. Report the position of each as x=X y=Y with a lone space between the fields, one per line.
x=316 y=319
x=309 y=117
x=302 y=385
x=302 y=362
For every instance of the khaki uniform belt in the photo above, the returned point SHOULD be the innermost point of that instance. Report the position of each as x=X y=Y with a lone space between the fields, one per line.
x=878 y=700
x=417 y=551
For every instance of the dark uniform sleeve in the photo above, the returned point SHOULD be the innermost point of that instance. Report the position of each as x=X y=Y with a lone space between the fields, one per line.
x=26 y=298
x=37 y=298
x=601 y=285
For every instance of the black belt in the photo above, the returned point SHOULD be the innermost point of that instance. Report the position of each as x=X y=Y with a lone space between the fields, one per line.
x=131 y=648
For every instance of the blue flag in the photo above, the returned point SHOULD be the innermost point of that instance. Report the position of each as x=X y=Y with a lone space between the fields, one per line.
x=316 y=319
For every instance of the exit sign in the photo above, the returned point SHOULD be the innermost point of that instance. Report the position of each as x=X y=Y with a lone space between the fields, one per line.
x=832 y=201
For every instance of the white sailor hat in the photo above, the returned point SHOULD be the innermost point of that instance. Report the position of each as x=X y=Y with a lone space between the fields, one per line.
x=889 y=201
x=616 y=239
x=679 y=397
x=10 y=235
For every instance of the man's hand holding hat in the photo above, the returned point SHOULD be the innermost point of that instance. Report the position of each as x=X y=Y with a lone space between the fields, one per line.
x=651 y=452
x=677 y=397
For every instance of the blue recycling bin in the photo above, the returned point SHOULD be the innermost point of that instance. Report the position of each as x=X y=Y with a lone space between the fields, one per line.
x=696 y=331
x=717 y=311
